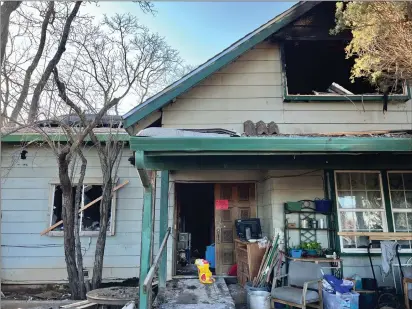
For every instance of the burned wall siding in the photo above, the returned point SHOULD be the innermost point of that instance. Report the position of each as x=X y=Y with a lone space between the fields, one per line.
x=26 y=191
x=251 y=88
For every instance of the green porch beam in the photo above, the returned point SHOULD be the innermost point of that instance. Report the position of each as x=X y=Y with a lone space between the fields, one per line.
x=255 y=162
x=228 y=145
x=164 y=208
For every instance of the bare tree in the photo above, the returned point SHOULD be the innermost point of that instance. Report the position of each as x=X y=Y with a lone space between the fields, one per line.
x=95 y=66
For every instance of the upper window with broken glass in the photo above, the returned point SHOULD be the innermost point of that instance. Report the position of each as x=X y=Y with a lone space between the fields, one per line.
x=89 y=219
x=315 y=66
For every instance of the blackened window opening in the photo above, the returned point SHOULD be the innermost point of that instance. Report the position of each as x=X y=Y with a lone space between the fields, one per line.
x=312 y=66
x=90 y=218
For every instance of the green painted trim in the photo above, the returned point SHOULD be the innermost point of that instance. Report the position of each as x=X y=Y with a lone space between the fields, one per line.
x=291 y=161
x=146 y=245
x=146 y=109
x=164 y=207
x=348 y=98
x=334 y=208
x=270 y=144
x=387 y=199
x=32 y=137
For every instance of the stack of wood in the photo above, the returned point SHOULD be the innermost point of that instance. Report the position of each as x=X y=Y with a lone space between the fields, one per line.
x=272 y=261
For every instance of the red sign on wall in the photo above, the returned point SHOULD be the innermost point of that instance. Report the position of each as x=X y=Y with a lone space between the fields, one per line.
x=222 y=204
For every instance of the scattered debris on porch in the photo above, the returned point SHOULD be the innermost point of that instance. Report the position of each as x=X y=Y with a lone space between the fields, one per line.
x=184 y=293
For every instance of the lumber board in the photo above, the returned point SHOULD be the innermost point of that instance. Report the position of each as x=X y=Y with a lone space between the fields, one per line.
x=375 y=234
x=72 y=305
x=83 y=208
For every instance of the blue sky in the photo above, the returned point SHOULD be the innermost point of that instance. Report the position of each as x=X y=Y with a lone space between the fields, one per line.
x=199 y=30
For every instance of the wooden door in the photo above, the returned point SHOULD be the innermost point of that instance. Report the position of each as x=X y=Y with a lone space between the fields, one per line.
x=242 y=205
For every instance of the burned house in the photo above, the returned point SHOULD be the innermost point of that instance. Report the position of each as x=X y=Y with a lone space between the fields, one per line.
x=274 y=118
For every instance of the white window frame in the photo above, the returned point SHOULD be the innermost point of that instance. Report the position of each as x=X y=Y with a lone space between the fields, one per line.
x=399 y=210
x=87 y=181
x=339 y=210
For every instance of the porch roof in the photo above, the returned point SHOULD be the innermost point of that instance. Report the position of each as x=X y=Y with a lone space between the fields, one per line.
x=238 y=152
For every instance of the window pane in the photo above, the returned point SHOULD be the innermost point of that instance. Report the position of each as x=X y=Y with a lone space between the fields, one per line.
x=362 y=241
x=395 y=181
x=373 y=220
x=401 y=221
x=372 y=181
x=342 y=181
x=361 y=222
x=374 y=199
x=348 y=241
x=398 y=199
x=357 y=181
x=360 y=199
x=348 y=221
x=407 y=180
x=405 y=244
x=346 y=200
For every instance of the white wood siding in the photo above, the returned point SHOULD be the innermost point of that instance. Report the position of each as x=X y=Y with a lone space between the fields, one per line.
x=26 y=256
x=250 y=88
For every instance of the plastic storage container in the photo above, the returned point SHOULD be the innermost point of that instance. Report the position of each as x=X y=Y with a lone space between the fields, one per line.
x=296 y=253
x=293 y=206
x=340 y=301
x=210 y=255
x=323 y=205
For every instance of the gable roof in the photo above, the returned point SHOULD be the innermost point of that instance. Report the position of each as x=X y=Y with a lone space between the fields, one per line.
x=255 y=37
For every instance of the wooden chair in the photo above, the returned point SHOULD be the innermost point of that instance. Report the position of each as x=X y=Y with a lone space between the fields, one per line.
x=407 y=292
x=304 y=286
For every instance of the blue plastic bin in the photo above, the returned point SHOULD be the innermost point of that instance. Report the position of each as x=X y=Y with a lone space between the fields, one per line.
x=323 y=205
x=297 y=254
x=210 y=255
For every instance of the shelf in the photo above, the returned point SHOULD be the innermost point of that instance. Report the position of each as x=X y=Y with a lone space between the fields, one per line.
x=307 y=212
x=301 y=228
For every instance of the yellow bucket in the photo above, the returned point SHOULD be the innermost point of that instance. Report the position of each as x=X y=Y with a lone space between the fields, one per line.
x=205 y=275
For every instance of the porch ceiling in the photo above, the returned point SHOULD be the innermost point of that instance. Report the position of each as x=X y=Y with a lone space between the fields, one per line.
x=174 y=153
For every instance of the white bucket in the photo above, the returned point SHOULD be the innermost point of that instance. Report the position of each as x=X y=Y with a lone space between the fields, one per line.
x=259 y=300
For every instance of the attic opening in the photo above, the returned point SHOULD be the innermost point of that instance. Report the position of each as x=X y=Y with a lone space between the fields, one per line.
x=313 y=66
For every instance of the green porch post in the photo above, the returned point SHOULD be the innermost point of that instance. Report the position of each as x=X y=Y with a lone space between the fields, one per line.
x=147 y=179
x=164 y=207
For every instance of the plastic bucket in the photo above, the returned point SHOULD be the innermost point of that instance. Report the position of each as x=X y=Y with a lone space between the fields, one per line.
x=259 y=300
x=296 y=253
x=249 y=289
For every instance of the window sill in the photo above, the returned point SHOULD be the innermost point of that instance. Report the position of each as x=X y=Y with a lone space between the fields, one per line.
x=331 y=98
x=82 y=234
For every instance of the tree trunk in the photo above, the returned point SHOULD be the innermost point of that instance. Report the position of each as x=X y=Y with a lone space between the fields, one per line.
x=6 y=9
x=78 y=199
x=101 y=239
x=68 y=224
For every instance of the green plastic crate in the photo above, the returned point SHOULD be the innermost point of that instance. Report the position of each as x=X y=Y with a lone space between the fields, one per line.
x=294 y=206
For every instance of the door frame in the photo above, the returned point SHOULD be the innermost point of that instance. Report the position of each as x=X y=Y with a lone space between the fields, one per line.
x=174 y=225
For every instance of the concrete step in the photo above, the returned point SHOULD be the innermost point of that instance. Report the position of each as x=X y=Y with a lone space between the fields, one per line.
x=191 y=294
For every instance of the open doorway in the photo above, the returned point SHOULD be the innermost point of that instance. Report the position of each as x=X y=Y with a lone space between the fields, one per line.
x=195 y=224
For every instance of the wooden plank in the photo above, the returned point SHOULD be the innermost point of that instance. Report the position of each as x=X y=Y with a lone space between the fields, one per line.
x=86 y=305
x=83 y=208
x=375 y=234
x=75 y=304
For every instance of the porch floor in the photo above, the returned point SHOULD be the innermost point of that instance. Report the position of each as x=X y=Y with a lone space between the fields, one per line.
x=190 y=293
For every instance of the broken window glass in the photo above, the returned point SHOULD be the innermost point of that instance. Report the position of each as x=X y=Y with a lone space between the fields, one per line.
x=90 y=217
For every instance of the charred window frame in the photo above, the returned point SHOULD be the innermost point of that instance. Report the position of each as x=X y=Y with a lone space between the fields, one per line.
x=292 y=96
x=91 y=190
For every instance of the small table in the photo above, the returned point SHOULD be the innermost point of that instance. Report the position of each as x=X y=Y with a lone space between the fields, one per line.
x=336 y=264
